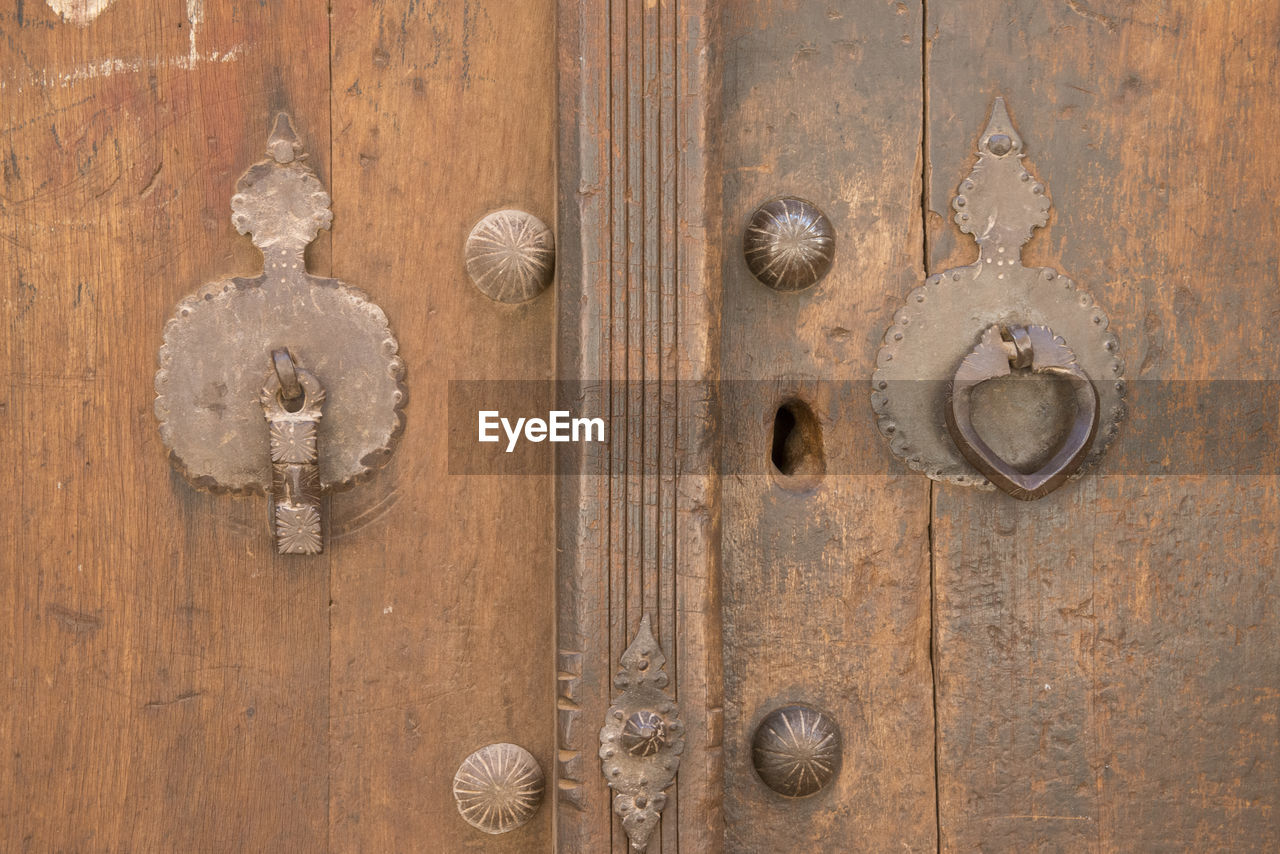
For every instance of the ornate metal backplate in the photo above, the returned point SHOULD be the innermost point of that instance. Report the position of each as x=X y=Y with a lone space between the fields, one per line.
x=641 y=743
x=217 y=351
x=1000 y=203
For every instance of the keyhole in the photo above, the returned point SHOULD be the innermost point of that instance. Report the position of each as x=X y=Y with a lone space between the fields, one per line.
x=796 y=449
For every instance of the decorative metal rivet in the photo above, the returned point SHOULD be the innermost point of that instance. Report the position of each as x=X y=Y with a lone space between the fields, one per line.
x=498 y=788
x=510 y=256
x=789 y=244
x=639 y=745
x=796 y=751
x=1020 y=432
x=286 y=345
x=644 y=733
x=998 y=144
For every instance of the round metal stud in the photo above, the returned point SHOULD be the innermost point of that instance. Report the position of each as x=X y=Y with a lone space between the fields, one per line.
x=789 y=244
x=644 y=733
x=796 y=751
x=498 y=788
x=1000 y=144
x=510 y=256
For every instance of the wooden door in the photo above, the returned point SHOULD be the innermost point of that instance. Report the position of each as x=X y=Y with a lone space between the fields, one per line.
x=1106 y=659
x=1095 y=670
x=171 y=684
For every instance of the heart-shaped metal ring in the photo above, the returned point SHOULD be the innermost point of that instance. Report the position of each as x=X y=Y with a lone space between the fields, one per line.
x=1002 y=349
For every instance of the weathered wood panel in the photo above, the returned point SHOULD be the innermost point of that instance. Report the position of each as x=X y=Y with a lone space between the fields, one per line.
x=638 y=330
x=166 y=676
x=826 y=581
x=1108 y=659
x=443 y=594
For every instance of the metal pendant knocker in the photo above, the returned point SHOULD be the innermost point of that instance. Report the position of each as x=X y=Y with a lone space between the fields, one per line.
x=1035 y=348
x=286 y=382
x=996 y=374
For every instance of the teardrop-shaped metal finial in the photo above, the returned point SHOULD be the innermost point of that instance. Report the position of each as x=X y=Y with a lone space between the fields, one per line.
x=283 y=144
x=641 y=742
x=280 y=201
x=1000 y=203
x=1000 y=137
x=643 y=661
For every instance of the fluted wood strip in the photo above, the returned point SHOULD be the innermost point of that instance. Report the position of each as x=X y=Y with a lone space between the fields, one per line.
x=638 y=319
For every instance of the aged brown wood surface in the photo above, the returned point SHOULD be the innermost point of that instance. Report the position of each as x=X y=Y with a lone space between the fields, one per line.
x=637 y=336
x=1107 y=656
x=826 y=579
x=171 y=684
x=166 y=676
x=442 y=586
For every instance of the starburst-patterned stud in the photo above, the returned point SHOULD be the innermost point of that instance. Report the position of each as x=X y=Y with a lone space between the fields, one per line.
x=498 y=788
x=644 y=733
x=789 y=244
x=796 y=751
x=510 y=255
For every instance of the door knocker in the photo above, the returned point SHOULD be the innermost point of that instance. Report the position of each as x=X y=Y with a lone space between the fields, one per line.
x=996 y=374
x=286 y=382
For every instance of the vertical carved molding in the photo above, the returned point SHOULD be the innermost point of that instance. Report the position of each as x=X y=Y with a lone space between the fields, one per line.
x=638 y=517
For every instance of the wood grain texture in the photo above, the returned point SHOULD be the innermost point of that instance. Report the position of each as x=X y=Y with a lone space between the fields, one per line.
x=165 y=673
x=637 y=531
x=1108 y=674
x=826 y=579
x=442 y=588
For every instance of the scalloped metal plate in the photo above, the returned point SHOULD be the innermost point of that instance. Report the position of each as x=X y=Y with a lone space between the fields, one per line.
x=944 y=319
x=217 y=347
